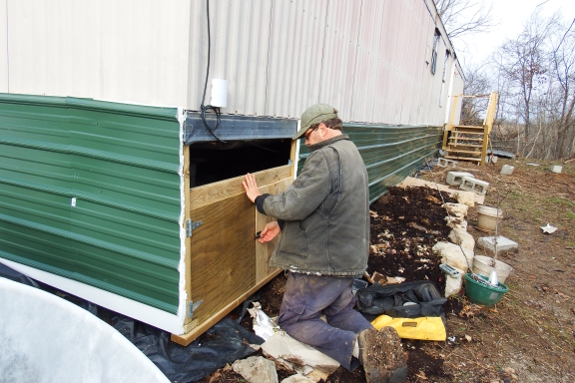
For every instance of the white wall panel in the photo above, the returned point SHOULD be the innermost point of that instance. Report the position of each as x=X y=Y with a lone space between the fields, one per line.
x=387 y=94
x=339 y=56
x=129 y=51
x=296 y=45
x=365 y=91
x=366 y=57
x=3 y=47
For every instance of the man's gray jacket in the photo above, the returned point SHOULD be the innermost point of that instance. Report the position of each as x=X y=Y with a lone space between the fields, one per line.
x=326 y=213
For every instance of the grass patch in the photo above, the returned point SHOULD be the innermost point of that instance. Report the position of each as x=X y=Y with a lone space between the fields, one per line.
x=561 y=205
x=561 y=202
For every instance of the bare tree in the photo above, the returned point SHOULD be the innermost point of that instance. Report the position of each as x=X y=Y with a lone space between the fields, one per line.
x=564 y=70
x=462 y=17
x=534 y=74
x=524 y=62
x=476 y=84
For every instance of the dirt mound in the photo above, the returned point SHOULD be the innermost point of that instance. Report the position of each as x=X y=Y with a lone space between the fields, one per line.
x=405 y=224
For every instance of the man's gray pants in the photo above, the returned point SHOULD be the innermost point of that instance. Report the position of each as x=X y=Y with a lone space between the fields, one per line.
x=306 y=298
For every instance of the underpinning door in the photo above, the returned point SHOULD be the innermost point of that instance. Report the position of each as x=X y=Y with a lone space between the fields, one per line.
x=227 y=263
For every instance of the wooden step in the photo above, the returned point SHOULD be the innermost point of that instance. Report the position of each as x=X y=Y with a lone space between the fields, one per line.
x=476 y=132
x=468 y=127
x=458 y=158
x=465 y=139
x=449 y=149
x=459 y=144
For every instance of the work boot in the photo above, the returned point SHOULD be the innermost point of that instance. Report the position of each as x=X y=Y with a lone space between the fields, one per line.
x=382 y=356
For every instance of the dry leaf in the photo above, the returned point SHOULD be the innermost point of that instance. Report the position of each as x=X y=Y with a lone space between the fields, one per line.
x=433 y=199
x=421 y=375
x=395 y=280
x=379 y=278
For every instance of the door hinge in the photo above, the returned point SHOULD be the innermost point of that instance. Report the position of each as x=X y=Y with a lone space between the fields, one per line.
x=190 y=226
x=192 y=307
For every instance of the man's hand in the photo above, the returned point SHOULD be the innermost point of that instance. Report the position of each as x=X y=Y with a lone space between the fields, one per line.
x=269 y=232
x=250 y=185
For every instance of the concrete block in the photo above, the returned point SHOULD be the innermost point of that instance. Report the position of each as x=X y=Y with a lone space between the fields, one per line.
x=503 y=244
x=472 y=184
x=556 y=168
x=507 y=169
x=444 y=162
x=455 y=178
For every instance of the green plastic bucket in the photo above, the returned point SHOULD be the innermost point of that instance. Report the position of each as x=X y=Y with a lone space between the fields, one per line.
x=481 y=293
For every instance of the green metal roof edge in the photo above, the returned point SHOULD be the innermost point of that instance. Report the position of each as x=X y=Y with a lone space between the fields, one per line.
x=164 y=113
x=385 y=126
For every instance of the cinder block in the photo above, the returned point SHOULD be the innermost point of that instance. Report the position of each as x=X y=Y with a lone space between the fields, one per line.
x=556 y=168
x=503 y=244
x=472 y=184
x=444 y=162
x=507 y=169
x=455 y=178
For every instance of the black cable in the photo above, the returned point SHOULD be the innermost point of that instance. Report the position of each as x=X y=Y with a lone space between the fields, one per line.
x=203 y=107
x=264 y=148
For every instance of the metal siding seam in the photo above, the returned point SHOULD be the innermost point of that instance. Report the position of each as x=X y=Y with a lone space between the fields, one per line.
x=266 y=106
x=321 y=80
x=355 y=112
x=90 y=241
x=92 y=153
x=87 y=197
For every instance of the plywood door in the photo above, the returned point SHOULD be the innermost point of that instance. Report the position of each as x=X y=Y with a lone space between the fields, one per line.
x=224 y=264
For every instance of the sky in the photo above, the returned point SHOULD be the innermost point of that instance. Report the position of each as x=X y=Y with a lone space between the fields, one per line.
x=512 y=16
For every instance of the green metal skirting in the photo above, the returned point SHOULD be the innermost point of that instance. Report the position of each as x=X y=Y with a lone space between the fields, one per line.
x=390 y=153
x=90 y=191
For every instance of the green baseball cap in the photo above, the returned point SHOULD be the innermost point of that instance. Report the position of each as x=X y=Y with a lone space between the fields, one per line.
x=314 y=115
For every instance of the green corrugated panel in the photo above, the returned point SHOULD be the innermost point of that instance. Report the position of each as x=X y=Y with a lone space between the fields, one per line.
x=120 y=163
x=390 y=153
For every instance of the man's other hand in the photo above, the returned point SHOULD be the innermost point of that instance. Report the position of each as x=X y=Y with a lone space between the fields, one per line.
x=250 y=185
x=269 y=232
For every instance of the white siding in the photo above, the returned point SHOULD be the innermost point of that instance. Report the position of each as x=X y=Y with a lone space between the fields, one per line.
x=128 y=50
x=3 y=47
x=368 y=58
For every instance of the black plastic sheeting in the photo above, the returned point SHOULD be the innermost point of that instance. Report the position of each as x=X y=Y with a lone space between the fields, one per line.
x=501 y=153
x=223 y=343
x=423 y=297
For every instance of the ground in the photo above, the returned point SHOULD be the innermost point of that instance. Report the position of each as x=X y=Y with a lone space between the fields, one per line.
x=529 y=336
